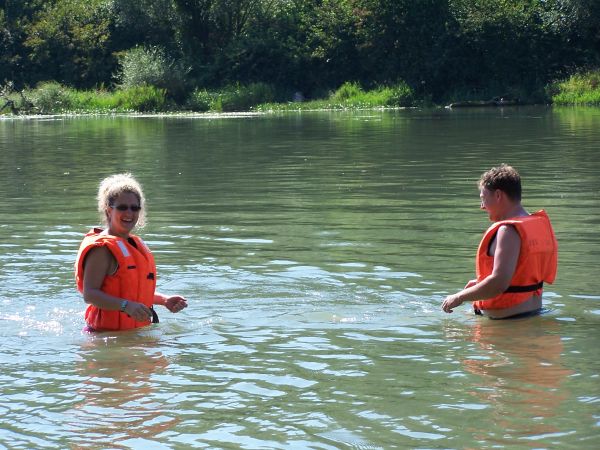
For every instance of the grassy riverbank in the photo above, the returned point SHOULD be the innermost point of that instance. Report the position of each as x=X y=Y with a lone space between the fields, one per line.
x=579 y=89
x=351 y=96
x=53 y=98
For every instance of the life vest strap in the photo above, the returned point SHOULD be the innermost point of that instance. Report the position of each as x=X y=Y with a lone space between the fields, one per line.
x=528 y=288
x=154 y=316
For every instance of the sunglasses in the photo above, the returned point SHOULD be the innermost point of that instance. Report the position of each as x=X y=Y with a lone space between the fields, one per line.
x=134 y=208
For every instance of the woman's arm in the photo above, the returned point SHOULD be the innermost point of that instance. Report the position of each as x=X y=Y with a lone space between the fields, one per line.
x=99 y=262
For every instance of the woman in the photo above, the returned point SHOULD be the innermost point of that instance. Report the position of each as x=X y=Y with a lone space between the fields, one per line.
x=115 y=270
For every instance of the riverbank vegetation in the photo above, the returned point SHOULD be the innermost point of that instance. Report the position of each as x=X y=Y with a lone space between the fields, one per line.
x=54 y=98
x=225 y=55
x=351 y=96
x=579 y=89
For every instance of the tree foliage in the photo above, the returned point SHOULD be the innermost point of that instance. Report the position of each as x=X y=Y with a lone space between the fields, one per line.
x=437 y=46
x=150 y=66
x=69 y=41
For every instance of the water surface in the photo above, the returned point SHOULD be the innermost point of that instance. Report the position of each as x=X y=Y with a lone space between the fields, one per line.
x=315 y=250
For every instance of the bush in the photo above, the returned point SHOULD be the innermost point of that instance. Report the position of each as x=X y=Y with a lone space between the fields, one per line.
x=142 y=99
x=348 y=90
x=150 y=66
x=201 y=100
x=399 y=95
x=351 y=95
x=579 y=89
x=243 y=98
x=54 y=98
x=49 y=97
x=231 y=98
x=91 y=101
x=13 y=102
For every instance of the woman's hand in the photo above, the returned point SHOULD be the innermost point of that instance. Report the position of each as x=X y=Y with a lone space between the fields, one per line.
x=175 y=303
x=138 y=311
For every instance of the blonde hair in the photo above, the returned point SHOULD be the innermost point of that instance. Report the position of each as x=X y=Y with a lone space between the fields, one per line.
x=113 y=186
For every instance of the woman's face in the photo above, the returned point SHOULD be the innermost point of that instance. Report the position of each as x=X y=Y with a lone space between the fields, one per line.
x=123 y=214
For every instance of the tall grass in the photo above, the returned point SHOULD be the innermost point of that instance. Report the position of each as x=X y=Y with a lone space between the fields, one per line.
x=579 y=89
x=231 y=98
x=53 y=98
x=352 y=96
x=142 y=98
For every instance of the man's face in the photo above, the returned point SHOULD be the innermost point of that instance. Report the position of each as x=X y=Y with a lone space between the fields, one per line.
x=490 y=202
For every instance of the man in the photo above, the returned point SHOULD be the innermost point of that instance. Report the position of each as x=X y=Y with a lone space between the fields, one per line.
x=517 y=254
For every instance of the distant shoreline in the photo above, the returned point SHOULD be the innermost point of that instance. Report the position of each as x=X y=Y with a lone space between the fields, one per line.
x=51 y=98
x=252 y=114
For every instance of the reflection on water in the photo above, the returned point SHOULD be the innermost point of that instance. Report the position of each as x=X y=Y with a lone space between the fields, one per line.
x=315 y=250
x=520 y=372
x=117 y=388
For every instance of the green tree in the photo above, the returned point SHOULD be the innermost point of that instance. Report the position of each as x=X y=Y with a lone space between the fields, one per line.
x=332 y=34
x=265 y=49
x=212 y=33
x=437 y=46
x=146 y=23
x=68 y=41
x=15 y=15
x=407 y=39
x=524 y=43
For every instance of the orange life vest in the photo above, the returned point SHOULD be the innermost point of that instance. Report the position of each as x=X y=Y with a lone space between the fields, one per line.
x=537 y=263
x=134 y=279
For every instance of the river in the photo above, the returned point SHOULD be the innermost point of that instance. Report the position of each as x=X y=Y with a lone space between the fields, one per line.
x=314 y=249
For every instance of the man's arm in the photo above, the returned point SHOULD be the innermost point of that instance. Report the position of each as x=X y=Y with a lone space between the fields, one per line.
x=506 y=256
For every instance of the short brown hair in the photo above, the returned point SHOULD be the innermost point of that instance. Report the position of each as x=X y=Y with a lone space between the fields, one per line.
x=504 y=178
